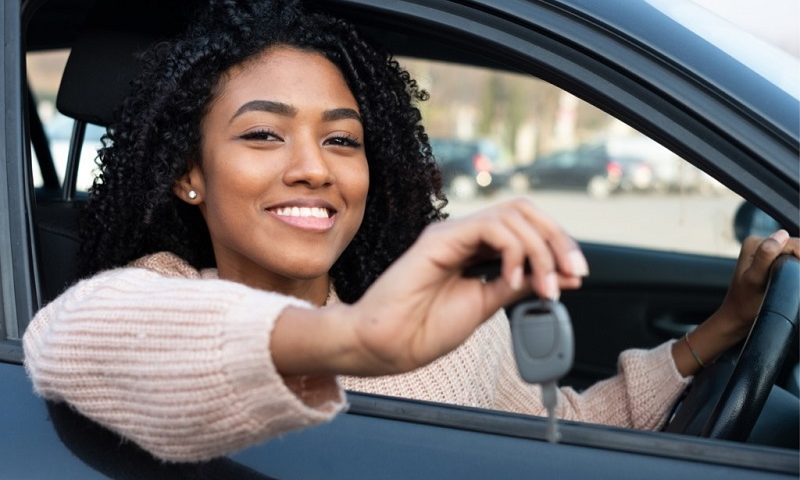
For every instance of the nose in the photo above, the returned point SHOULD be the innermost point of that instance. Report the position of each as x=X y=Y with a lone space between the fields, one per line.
x=307 y=165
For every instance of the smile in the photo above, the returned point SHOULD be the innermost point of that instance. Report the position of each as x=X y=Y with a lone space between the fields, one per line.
x=315 y=212
x=318 y=219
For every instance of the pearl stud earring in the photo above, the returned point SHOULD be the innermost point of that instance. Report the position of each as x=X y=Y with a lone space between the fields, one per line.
x=191 y=194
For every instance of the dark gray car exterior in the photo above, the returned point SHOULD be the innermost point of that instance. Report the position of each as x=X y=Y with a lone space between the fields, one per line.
x=469 y=167
x=588 y=167
x=624 y=57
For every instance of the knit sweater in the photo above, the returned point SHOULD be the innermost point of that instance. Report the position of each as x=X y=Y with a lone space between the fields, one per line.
x=178 y=361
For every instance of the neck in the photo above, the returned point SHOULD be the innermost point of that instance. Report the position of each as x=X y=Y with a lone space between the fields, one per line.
x=314 y=290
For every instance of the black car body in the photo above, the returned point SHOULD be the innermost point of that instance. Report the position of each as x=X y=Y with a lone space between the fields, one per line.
x=590 y=168
x=628 y=58
x=469 y=167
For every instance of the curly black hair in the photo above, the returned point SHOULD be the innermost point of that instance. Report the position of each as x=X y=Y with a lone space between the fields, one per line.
x=132 y=210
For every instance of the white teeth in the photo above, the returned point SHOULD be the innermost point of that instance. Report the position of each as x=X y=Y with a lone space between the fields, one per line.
x=302 y=212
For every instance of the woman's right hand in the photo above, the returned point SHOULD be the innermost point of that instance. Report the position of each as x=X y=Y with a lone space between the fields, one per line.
x=422 y=307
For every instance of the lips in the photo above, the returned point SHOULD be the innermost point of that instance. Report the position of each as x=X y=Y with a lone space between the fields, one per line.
x=311 y=215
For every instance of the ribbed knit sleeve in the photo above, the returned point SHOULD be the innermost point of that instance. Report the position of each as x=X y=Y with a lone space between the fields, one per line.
x=181 y=366
x=639 y=396
x=466 y=376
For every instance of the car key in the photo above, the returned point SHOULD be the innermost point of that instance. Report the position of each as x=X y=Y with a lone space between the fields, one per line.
x=543 y=343
x=541 y=333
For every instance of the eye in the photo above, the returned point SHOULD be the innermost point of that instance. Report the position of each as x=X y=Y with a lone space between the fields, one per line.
x=261 y=136
x=343 y=140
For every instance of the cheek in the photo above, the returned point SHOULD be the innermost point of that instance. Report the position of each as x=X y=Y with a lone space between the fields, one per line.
x=357 y=178
x=237 y=178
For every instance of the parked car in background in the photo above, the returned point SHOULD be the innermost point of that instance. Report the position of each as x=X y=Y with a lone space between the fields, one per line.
x=589 y=167
x=668 y=172
x=470 y=167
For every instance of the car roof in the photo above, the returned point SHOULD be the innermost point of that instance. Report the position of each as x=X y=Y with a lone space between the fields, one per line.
x=644 y=24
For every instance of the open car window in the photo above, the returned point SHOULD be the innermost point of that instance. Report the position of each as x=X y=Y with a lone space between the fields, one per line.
x=600 y=178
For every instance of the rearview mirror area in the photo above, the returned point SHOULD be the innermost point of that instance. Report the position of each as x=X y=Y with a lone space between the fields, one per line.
x=750 y=220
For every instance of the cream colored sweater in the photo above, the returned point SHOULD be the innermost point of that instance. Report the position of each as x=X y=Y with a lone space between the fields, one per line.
x=177 y=360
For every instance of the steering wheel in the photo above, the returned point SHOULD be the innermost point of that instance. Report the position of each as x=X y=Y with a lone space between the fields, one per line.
x=726 y=398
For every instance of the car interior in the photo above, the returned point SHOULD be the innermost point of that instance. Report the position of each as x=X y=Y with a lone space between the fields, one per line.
x=104 y=42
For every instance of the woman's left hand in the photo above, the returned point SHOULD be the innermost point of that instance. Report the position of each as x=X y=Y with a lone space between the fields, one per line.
x=749 y=282
x=734 y=318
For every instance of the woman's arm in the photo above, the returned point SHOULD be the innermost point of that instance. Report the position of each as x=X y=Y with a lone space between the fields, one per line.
x=732 y=322
x=179 y=366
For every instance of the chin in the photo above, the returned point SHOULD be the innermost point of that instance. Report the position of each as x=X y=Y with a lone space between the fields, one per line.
x=304 y=270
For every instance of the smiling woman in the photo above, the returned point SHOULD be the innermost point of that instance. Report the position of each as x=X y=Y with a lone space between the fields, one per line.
x=253 y=179
x=283 y=180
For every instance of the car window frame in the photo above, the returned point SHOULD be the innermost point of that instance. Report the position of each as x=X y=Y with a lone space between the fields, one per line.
x=18 y=283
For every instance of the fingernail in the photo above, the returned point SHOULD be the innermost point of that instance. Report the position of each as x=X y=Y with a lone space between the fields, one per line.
x=780 y=236
x=551 y=286
x=578 y=263
x=516 y=278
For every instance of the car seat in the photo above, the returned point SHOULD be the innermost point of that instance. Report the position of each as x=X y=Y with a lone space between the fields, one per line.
x=97 y=77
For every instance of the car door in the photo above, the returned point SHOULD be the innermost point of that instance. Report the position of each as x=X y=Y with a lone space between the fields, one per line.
x=635 y=296
x=631 y=294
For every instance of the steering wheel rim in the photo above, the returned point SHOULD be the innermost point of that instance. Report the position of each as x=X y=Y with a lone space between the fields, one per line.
x=738 y=401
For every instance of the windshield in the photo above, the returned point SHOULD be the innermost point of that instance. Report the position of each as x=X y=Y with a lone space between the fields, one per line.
x=777 y=66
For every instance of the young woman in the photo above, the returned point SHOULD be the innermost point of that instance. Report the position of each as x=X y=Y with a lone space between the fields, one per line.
x=269 y=163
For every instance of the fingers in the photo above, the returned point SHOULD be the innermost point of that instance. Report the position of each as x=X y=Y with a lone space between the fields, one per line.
x=555 y=258
x=765 y=252
x=517 y=231
x=568 y=255
x=544 y=280
x=495 y=234
x=792 y=247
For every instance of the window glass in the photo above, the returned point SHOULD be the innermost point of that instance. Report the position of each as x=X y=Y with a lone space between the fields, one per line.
x=44 y=76
x=497 y=135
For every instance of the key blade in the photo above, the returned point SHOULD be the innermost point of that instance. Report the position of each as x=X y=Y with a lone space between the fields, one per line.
x=550 y=402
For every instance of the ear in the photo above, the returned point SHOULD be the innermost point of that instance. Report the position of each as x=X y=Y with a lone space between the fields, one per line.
x=191 y=181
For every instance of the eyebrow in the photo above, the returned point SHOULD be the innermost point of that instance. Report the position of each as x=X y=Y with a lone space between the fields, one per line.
x=269 y=106
x=284 y=109
x=340 y=114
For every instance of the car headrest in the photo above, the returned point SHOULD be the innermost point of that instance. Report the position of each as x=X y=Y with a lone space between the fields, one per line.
x=99 y=72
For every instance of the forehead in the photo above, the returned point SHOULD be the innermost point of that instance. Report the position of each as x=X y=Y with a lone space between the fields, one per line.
x=302 y=78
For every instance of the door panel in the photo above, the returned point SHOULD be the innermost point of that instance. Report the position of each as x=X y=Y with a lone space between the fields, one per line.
x=379 y=438
x=632 y=297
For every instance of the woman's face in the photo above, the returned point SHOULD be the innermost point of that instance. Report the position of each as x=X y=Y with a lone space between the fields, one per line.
x=283 y=177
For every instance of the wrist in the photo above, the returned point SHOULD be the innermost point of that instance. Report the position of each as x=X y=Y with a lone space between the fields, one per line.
x=312 y=341
x=727 y=325
x=705 y=343
x=344 y=349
